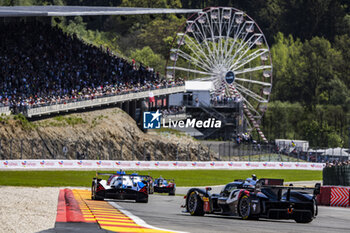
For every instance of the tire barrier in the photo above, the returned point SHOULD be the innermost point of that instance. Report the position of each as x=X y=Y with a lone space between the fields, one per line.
x=337 y=175
x=334 y=196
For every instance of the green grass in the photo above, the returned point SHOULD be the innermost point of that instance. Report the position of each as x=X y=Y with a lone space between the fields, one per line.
x=70 y=120
x=182 y=177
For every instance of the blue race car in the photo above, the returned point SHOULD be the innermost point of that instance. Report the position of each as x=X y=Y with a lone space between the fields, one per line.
x=120 y=186
x=162 y=185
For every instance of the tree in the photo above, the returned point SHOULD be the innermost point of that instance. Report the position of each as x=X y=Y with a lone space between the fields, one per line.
x=157 y=31
x=149 y=58
x=320 y=67
x=288 y=69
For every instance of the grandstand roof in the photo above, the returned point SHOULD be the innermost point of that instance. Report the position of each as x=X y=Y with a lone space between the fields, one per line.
x=20 y=11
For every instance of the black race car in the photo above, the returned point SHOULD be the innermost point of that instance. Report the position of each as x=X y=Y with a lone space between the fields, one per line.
x=120 y=186
x=267 y=198
x=162 y=185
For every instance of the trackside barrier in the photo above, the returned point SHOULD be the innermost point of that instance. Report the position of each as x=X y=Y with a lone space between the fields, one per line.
x=337 y=175
x=334 y=196
x=142 y=165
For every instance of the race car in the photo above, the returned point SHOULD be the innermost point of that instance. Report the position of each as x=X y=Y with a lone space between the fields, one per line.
x=162 y=185
x=120 y=186
x=268 y=198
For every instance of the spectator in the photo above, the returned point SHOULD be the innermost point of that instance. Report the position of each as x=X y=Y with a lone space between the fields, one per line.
x=40 y=65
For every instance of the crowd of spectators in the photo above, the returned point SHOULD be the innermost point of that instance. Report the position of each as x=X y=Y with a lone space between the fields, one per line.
x=336 y=163
x=40 y=65
x=218 y=100
x=173 y=110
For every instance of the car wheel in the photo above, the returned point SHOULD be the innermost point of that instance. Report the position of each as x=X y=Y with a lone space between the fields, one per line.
x=94 y=195
x=303 y=218
x=93 y=191
x=244 y=207
x=172 y=192
x=142 y=199
x=195 y=204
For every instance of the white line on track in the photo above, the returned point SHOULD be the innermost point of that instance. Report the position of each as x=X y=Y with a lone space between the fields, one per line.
x=138 y=220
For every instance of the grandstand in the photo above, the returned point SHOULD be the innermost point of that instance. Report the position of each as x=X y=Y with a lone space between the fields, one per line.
x=45 y=71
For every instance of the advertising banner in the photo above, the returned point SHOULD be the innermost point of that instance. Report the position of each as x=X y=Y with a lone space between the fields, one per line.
x=143 y=165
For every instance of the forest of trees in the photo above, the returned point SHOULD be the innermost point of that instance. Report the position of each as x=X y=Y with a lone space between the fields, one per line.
x=309 y=40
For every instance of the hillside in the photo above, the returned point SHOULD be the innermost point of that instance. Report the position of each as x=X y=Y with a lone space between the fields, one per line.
x=102 y=134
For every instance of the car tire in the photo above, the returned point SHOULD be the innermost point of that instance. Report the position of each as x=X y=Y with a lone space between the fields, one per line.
x=141 y=200
x=195 y=204
x=301 y=218
x=244 y=207
x=93 y=192
x=172 y=192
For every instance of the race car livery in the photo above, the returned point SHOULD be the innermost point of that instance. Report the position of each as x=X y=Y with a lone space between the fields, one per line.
x=120 y=186
x=267 y=198
x=162 y=185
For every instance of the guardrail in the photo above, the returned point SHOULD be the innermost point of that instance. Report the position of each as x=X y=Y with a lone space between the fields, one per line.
x=101 y=101
x=5 y=110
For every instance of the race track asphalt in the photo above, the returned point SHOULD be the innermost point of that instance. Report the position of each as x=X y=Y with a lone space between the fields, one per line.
x=165 y=212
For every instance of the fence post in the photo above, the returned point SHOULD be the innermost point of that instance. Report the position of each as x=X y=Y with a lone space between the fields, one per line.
x=228 y=150
x=188 y=152
x=144 y=151
x=198 y=152
x=209 y=145
x=177 y=151
x=87 y=150
x=121 y=150
x=11 y=149
x=21 y=149
x=133 y=151
x=298 y=155
x=42 y=149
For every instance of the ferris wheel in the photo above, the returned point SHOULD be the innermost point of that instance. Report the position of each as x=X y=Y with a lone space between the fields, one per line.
x=224 y=45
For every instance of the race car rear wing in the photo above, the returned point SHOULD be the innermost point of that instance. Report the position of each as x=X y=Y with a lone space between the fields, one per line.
x=269 y=182
x=279 y=188
x=118 y=174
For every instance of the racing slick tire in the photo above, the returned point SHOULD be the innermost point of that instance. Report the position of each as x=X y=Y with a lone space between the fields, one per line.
x=141 y=199
x=303 y=218
x=93 y=192
x=195 y=204
x=172 y=192
x=244 y=207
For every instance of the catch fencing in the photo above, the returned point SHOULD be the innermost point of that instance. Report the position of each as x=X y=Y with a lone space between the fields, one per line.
x=337 y=175
x=82 y=149
x=269 y=152
x=44 y=149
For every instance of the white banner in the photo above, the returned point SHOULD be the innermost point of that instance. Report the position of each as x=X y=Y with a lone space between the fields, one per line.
x=143 y=165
